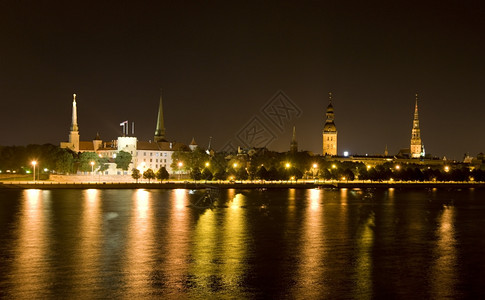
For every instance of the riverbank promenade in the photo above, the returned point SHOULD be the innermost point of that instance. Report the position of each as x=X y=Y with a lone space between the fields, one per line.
x=301 y=184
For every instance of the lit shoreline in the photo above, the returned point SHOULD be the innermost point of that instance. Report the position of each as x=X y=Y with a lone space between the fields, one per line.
x=236 y=185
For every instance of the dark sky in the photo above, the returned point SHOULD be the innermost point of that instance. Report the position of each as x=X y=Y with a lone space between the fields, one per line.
x=219 y=63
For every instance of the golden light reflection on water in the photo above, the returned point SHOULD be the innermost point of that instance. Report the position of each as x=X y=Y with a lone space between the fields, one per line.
x=235 y=245
x=315 y=199
x=444 y=269
x=31 y=264
x=310 y=269
x=343 y=196
x=180 y=199
x=291 y=199
x=177 y=240
x=205 y=244
x=140 y=243
x=88 y=252
x=220 y=248
x=364 y=266
x=391 y=193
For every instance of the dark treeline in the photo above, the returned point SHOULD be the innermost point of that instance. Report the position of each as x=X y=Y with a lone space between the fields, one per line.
x=18 y=159
x=269 y=165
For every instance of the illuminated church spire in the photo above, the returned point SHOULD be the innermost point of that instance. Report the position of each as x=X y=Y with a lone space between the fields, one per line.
x=74 y=134
x=330 y=131
x=160 y=130
x=417 y=148
x=74 y=126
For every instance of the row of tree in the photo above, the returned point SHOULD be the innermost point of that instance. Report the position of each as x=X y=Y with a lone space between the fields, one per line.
x=52 y=158
x=262 y=165
x=269 y=165
x=162 y=174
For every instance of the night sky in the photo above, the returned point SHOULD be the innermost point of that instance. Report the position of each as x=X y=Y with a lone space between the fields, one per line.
x=220 y=63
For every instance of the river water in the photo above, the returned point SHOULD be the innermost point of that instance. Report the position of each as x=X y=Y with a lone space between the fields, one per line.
x=242 y=244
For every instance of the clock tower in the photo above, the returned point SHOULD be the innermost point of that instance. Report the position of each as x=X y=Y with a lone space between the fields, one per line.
x=330 y=131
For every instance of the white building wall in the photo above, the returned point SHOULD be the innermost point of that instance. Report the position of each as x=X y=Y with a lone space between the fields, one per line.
x=153 y=159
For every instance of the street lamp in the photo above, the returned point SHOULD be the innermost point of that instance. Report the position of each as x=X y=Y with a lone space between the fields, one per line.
x=92 y=168
x=33 y=164
x=234 y=165
x=315 y=166
x=180 y=165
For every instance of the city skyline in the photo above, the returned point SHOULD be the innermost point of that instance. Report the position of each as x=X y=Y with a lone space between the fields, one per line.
x=219 y=63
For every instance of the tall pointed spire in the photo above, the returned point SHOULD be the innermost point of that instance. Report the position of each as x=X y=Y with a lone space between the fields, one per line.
x=416 y=149
x=416 y=118
x=330 y=130
x=294 y=143
x=160 y=130
x=74 y=126
x=74 y=134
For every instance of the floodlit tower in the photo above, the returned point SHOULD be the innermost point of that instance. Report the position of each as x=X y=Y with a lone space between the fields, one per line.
x=74 y=134
x=160 y=130
x=294 y=143
x=330 y=131
x=417 y=148
x=193 y=145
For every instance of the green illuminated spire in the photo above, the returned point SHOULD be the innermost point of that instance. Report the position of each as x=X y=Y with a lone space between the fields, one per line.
x=160 y=130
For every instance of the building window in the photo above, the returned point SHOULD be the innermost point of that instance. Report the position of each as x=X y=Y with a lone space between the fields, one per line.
x=144 y=154
x=150 y=160
x=151 y=153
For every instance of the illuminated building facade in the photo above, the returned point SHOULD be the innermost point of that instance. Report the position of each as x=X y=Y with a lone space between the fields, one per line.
x=145 y=154
x=417 y=147
x=330 y=131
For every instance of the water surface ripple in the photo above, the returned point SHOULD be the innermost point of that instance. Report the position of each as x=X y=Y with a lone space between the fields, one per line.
x=273 y=244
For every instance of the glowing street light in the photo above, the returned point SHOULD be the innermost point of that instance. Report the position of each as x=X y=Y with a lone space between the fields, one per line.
x=334 y=166
x=180 y=165
x=398 y=167
x=447 y=169
x=287 y=165
x=207 y=164
x=314 y=167
x=33 y=164
x=234 y=165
